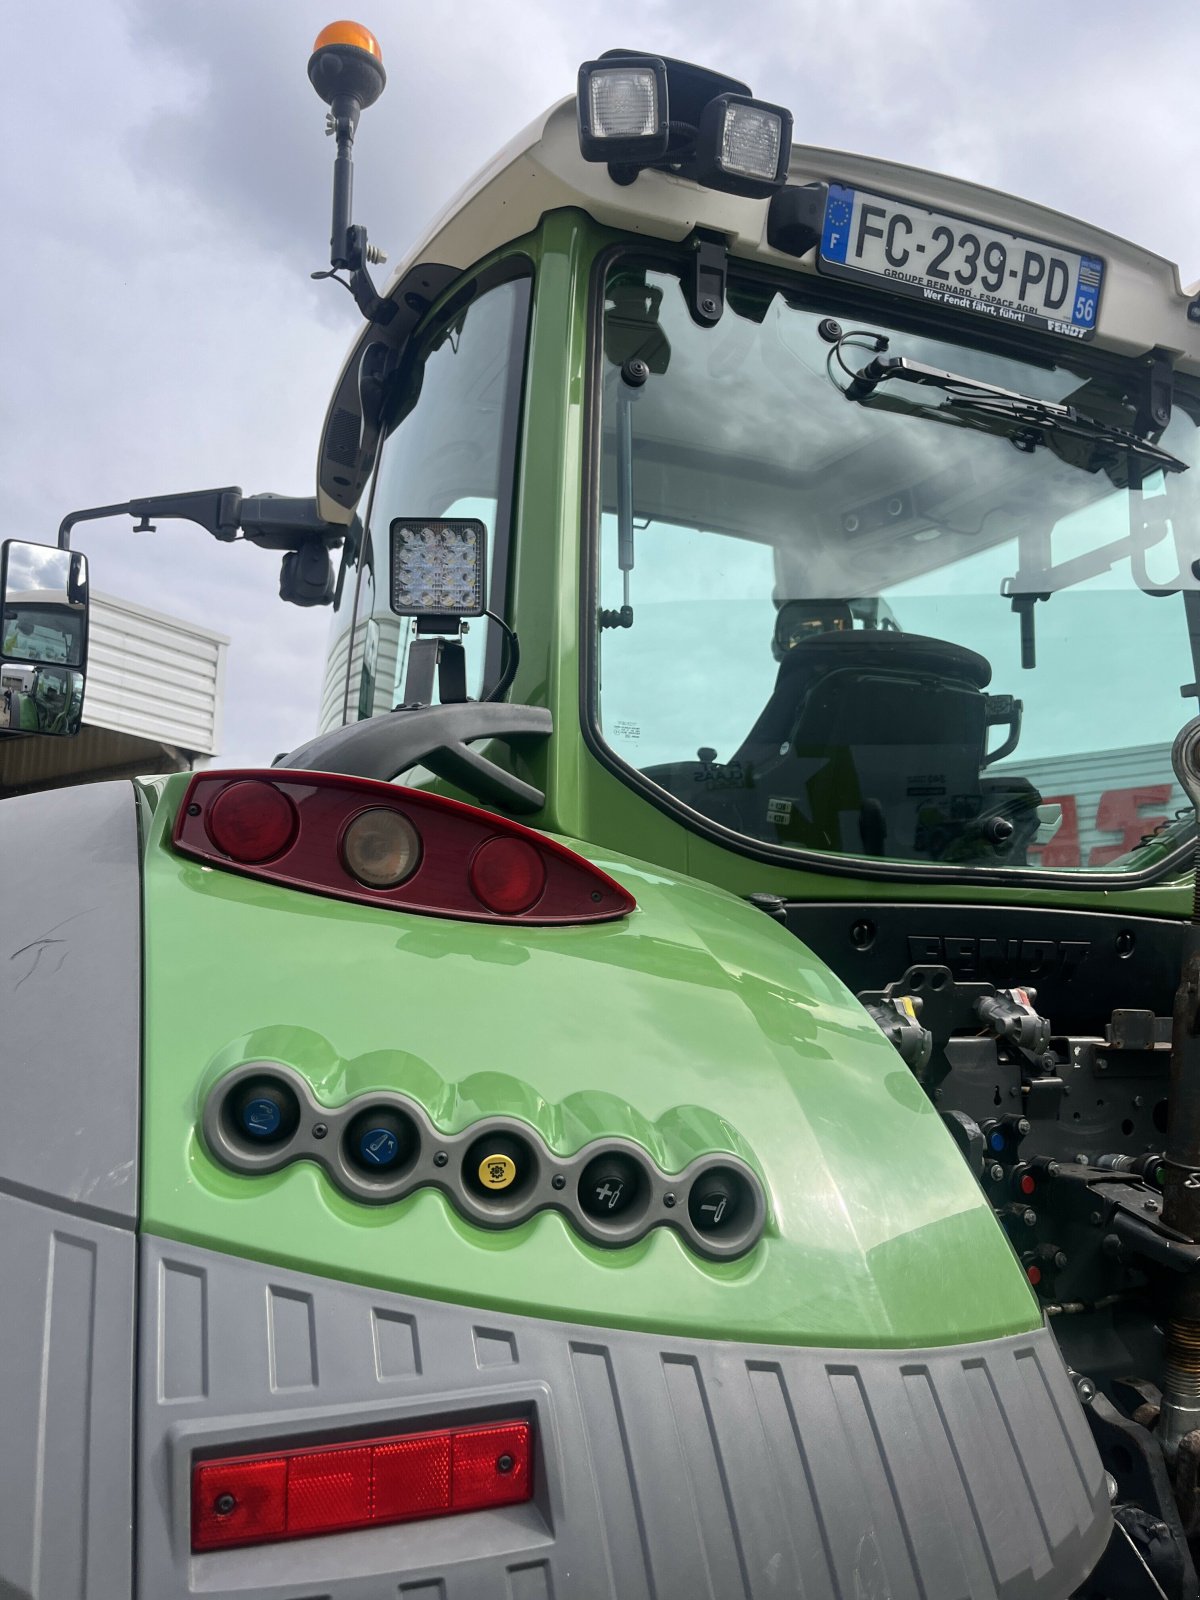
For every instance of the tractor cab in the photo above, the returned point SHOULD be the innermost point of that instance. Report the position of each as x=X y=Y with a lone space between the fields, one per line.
x=840 y=532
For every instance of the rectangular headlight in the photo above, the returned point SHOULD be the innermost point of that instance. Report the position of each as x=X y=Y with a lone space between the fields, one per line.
x=438 y=567
x=743 y=146
x=622 y=109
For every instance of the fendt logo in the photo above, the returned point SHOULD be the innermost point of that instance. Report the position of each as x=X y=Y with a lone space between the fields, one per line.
x=1005 y=959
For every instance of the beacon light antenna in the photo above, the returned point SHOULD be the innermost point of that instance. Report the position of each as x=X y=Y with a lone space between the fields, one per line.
x=346 y=70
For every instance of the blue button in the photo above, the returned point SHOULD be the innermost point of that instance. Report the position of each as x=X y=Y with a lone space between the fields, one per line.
x=261 y=1118
x=378 y=1146
x=997 y=1141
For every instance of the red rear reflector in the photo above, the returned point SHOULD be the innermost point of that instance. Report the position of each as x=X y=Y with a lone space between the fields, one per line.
x=239 y=1502
x=251 y=821
x=329 y=1490
x=383 y=845
x=507 y=875
x=335 y=1488
x=491 y=1466
x=412 y=1477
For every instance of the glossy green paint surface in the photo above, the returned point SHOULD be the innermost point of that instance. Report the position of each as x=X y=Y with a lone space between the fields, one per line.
x=697 y=1023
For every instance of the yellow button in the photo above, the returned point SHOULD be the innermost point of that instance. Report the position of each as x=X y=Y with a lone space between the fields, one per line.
x=497 y=1172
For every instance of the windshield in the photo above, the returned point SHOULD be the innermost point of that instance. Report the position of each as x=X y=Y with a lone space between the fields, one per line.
x=919 y=622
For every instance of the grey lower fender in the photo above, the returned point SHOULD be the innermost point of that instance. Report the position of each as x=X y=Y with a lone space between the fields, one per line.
x=666 y=1469
x=70 y=1032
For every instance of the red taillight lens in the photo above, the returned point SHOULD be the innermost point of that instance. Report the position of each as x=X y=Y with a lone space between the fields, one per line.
x=383 y=845
x=507 y=875
x=244 y=1500
x=251 y=821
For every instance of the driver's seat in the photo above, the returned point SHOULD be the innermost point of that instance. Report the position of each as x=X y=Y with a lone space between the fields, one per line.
x=874 y=742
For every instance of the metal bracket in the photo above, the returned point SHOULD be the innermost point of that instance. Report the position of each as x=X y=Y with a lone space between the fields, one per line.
x=444 y=658
x=706 y=285
x=1154 y=407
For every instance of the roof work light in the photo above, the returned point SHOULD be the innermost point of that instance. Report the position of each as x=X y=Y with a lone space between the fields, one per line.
x=743 y=145
x=639 y=111
x=623 y=110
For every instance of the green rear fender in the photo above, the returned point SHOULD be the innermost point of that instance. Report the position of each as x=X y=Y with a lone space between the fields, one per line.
x=696 y=1024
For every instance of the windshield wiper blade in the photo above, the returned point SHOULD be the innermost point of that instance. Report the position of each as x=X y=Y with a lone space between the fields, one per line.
x=969 y=397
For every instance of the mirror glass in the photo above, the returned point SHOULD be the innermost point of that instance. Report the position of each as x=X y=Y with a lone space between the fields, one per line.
x=44 y=605
x=43 y=638
x=40 y=699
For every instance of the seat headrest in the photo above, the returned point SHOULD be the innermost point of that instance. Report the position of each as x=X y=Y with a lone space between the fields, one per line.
x=885 y=651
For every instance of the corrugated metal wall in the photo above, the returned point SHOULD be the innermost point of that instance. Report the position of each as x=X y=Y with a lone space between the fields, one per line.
x=154 y=676
x=390 y=640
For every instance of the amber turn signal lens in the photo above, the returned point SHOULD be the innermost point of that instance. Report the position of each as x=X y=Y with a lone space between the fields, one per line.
x=381 y=848
x=349 y=33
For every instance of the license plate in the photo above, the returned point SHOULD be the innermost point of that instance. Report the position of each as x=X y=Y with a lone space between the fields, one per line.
x=952 y=262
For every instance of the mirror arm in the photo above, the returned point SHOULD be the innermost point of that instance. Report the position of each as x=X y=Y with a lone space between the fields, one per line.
x=216 y=510
x=272 y=521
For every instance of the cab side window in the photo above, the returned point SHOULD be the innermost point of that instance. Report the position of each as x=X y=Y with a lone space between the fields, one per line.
x=449 y=451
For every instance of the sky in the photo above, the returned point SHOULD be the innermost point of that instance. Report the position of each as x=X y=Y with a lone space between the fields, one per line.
x=166 y=184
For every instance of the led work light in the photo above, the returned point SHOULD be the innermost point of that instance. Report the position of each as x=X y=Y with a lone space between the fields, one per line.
x=623 y=110
x=743 y=146
x=438 y=567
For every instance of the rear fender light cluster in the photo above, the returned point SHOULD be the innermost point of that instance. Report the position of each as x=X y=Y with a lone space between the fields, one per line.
x=296 y=1494
x=380 y=844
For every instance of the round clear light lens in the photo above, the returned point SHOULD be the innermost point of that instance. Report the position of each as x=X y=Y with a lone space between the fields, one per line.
x=381 y=848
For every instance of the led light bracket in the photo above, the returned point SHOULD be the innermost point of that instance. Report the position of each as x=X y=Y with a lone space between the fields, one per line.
x=437 y=658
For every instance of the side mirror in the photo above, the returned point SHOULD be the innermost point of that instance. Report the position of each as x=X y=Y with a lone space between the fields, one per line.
x=43 y=638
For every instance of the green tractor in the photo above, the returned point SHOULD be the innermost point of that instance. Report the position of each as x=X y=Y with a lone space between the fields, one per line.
x=689 y=1084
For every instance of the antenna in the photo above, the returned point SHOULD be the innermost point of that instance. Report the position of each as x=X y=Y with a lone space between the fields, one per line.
x=346 y=70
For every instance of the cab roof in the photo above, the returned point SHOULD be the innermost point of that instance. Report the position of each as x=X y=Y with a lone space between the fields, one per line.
x=1143 y=308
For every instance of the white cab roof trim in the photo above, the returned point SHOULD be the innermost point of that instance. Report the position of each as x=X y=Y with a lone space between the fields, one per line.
x=1143 y=304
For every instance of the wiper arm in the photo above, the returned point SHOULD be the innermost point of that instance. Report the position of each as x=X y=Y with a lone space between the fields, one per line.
x=1031 y=418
